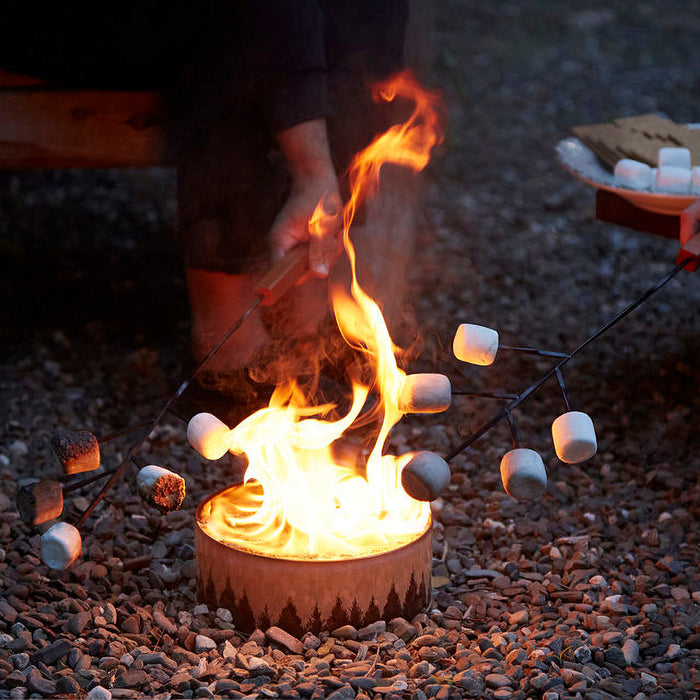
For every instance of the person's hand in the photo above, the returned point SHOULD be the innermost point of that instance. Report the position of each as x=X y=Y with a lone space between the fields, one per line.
x=313 y=211
x=312 y=214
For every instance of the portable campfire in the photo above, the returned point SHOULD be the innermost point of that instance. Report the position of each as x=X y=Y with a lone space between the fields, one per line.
x=310 y=539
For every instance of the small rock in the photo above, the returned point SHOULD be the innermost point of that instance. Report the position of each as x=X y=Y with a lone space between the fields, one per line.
x=345 y=632
x=648 y=681
x=402 y=629
x=630 y=649
x=110 y=614
x=278 y=636
x=67 y=686
x=571 y=677
x=224 y=614
x=257 y=637
x=203 y=643
x=38 y=684
x=673 y=651
x=100 y=693
x=615 y=656
x=164 y=623
x=258 y=667
x=582 y=654
x=520 y=617
x=498 y=680
x=200 y=609
x=77 y=623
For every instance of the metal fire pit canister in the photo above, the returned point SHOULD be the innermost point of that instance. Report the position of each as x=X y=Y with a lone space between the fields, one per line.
x=306 y=595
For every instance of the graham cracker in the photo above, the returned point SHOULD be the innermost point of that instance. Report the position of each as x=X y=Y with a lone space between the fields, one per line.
x=638 y=138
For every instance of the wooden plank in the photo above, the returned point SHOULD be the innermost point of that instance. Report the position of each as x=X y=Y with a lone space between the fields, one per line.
x=48 y=128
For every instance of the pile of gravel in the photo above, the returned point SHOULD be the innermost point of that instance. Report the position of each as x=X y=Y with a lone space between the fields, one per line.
x=591 y=592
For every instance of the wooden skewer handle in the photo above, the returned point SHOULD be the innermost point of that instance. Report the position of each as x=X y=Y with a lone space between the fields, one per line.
x=283 y=275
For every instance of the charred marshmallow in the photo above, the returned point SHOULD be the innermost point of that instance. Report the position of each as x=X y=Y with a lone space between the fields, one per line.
x=77 y=451
x=160 y=487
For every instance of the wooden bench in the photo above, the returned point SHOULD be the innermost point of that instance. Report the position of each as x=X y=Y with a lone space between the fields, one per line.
x=42 y=126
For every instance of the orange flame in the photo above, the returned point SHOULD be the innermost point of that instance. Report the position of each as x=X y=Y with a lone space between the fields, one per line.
x=299 y=501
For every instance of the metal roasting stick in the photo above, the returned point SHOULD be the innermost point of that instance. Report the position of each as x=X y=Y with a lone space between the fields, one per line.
x=533 y=351
x=485 y=394
x=122 y=431
x=86 y=482
x=283 y=275
x=504 y=412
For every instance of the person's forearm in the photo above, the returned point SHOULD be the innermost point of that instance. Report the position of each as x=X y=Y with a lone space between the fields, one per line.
x=306 y=150
x=314 y=182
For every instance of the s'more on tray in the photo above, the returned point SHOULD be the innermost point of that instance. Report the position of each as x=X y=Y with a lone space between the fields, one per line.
x=638 y=138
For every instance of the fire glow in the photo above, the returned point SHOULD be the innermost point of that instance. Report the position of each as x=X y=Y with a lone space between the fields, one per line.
x=298 y=500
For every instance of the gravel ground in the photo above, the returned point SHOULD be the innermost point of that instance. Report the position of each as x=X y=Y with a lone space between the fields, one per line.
x=591 y=592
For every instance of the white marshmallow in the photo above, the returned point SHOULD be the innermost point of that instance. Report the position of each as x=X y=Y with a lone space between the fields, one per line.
x=672 y=179
x=425 y=476
x=477 y=345
x=425 y=393
x=207 y=434
x=61 y=545
x=633 y=174
x=523 y=474
x=676 y=157
x=574 y=437
x=161 y=488
x=695 y=180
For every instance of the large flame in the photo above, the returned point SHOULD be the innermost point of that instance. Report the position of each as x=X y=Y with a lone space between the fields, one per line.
x=299 y=499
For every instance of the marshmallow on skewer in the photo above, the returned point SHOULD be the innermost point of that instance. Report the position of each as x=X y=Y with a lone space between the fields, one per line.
x=61 y=545
x=425 y=476
x=671 y=179
x=474 y=344
x=207 y=434
x=574 y=437
x=76 y=451
x=523 y=474
x=425 y=393
x=632 y=174
x=160 y=487
x=40 y=501
x=676 y=157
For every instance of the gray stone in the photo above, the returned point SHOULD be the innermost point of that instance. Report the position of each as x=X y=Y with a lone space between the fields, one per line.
x=498 y=680
x=614 y=656
x=78 y=622
x=224 y=614
x=99 y=693
x=582 y=654
x=345 y=632
x=630 y=649
x=203 y=643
